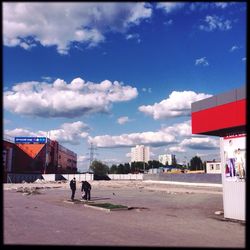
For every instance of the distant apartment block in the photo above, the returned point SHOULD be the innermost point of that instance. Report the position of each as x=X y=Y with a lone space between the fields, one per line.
x=166 y=159
x=140 y=153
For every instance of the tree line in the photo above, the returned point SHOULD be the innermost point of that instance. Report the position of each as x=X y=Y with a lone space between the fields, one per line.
x=100 y=168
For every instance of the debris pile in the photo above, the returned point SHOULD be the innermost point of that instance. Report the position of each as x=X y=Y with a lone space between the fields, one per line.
x=28 y=190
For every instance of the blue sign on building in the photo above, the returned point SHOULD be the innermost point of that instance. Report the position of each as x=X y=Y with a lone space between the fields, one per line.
x=30 y=140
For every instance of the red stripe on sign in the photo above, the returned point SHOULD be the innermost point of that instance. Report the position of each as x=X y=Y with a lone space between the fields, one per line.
x=228 y=115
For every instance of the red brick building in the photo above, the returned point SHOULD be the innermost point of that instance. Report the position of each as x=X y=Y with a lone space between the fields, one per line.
x=37 y=155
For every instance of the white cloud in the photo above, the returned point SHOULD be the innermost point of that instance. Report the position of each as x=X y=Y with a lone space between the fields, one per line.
x=201 y=143
x=195 y=143
x=164 y=136
x=169 y=6
x=221 y=5
x=177 y=104
x=149 y=90
x=177 y=149
x=72 y=133
x=129 y=140
x=60 y=24
x=82 y=163
x=169 y=22
x=134 y=37
x=47 y=78
x=244 y=59
x=214 y=22
x=59 y=99
x=128 y=155
x=178 y=137
x=234 y=48
x=123 y=120
x=82 y=158
x=201 y=61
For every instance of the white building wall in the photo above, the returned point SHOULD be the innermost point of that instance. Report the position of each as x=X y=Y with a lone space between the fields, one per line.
x=213 y=167
x=140 y=153
x=166 y=158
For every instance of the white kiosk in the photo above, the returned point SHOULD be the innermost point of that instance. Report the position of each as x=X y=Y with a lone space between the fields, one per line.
x=224 y=115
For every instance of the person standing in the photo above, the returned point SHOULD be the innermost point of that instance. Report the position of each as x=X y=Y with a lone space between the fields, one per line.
x=86 y=187
x=73 y=188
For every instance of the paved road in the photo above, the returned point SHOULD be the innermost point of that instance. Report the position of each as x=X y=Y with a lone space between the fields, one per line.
x=158 y=218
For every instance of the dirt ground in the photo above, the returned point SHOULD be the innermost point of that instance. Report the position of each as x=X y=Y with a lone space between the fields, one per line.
x=163 y=215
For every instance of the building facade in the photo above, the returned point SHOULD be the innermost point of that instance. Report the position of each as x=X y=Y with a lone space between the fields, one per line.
x=140 y=153
x=37 y=155
x=213 y=167
x=166 y=159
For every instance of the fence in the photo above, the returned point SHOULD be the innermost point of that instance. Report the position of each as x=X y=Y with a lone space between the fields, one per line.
x=19 y=178
x=125 y=176
x=181 y=177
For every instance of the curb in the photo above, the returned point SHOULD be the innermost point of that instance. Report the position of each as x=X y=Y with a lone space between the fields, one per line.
x=185 y=183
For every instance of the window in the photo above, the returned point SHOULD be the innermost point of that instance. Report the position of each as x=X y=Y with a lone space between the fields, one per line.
x=217 y=166
x=212 y=167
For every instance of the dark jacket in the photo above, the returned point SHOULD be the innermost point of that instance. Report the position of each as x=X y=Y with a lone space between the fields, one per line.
x=85 y=186
x=72 y=184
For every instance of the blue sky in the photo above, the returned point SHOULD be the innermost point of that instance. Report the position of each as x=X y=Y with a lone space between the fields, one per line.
x=119 y=74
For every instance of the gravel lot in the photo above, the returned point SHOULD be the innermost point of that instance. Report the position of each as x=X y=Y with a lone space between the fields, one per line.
x=160 y=215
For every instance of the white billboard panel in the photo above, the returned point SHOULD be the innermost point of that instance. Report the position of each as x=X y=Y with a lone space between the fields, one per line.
x=235 y=157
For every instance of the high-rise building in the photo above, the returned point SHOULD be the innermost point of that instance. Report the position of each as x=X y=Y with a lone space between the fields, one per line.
x=140 y=153
x=166 y=159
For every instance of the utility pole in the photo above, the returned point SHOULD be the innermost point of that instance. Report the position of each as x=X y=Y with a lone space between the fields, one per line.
x=91 y=154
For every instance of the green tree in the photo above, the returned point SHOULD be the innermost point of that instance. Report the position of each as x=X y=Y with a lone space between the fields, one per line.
x=113 y=169
x=196 y=163
x=120 y=169
x=154 y=164
x=174 y=161
x=99 y=168
x=138 y=166
x=126 y=168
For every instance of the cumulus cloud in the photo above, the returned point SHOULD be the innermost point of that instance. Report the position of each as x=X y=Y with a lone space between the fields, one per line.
x=215 y=23
x=71 y=133
x=63 y=23
x=177 y=137
x=164 y=136
x=169 y=6
x=60 y=99
x=123 y=120
x=201 y=61
x=177 y=104
x=177 y=149
x=195 y=143
x=128 y=140
x=203 y=143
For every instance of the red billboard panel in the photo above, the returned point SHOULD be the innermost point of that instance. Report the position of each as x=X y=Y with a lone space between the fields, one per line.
x=228 y=115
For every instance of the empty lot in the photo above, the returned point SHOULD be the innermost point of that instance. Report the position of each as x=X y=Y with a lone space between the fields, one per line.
x=159 y=215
